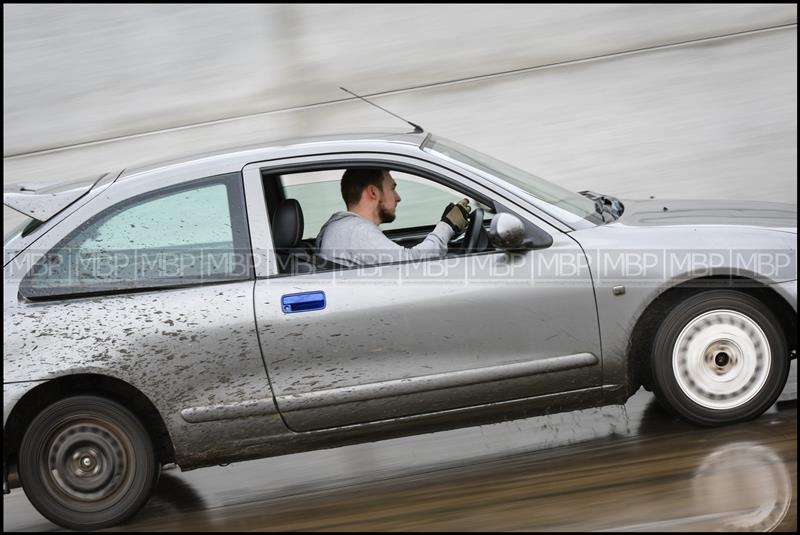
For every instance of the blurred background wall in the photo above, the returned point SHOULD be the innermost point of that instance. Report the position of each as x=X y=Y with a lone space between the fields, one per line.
x=634 y=100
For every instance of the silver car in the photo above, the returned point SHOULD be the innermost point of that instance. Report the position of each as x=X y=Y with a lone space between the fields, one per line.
x=180 y=313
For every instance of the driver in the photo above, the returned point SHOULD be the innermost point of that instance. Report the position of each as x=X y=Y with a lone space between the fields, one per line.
x=352 y=238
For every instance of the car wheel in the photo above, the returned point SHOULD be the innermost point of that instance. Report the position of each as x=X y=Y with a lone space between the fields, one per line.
x=719 y=357
x=86 y=462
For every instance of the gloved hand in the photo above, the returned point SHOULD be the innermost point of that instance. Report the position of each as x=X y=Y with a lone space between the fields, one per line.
x=456 y=215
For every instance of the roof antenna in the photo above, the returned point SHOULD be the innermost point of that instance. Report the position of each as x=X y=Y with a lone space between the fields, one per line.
x=417 y=128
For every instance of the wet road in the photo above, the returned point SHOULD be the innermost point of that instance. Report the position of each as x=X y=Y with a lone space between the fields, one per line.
x=630 y=468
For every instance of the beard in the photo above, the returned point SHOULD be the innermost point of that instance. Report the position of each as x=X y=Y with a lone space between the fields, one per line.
x=385 y=215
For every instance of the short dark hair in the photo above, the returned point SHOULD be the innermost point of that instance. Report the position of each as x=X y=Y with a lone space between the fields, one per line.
x=354 y=181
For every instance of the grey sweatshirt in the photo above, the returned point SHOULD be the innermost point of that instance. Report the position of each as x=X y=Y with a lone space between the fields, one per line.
x=349 y=239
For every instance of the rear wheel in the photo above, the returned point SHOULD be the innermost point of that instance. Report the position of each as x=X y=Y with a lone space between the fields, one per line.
x=87 y=462
x=719 y=357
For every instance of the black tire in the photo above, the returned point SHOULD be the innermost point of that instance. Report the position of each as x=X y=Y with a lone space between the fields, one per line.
x=718 y=358
x=86 y=463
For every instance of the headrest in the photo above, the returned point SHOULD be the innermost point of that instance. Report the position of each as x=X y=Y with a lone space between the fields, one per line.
x=287 y=225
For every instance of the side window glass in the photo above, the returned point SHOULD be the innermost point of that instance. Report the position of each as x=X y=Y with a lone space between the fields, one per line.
x=192 y=234
x=422 y=201
x=187 y=219
x=319 y=194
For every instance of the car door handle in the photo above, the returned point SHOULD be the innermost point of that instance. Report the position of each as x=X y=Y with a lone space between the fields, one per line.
x=303 y=302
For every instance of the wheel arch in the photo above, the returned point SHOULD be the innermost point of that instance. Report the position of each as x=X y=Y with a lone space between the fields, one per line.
x=38 y=398
x=641 y=339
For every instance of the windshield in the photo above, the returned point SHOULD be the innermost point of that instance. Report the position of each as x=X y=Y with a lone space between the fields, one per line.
x=568 y=206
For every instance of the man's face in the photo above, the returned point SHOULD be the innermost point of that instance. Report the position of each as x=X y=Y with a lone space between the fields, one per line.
x=387 y=205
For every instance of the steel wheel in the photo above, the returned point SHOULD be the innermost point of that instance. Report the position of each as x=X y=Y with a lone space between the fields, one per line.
x=87 y=462
x=719 y=357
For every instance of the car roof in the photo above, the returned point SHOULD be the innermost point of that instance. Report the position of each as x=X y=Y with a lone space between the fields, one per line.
x=247 y=153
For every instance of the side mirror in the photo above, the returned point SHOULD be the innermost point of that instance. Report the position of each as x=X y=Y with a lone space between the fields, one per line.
x=507 y=232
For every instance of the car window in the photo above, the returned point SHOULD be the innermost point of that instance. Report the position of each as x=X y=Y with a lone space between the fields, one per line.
x=176 y=236
x=183 y=220
x=319 y=194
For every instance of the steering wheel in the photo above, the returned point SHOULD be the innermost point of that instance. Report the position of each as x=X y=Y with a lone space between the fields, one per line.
x=473 y=232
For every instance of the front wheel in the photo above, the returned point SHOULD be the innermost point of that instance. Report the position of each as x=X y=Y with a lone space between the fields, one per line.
x=719 y=357
x=86 y=463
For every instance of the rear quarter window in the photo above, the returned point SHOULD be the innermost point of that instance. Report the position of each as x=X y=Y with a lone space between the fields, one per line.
x=190 y=234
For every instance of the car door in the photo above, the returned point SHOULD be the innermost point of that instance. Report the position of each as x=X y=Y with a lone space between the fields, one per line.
x=390 y=341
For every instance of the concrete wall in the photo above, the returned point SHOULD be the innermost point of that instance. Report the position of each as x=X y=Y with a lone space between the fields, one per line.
x=635 y=100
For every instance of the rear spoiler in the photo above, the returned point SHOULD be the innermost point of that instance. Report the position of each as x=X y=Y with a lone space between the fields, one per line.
x=43 y=201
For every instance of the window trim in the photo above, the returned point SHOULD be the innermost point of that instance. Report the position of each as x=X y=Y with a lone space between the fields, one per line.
x=240 y=231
